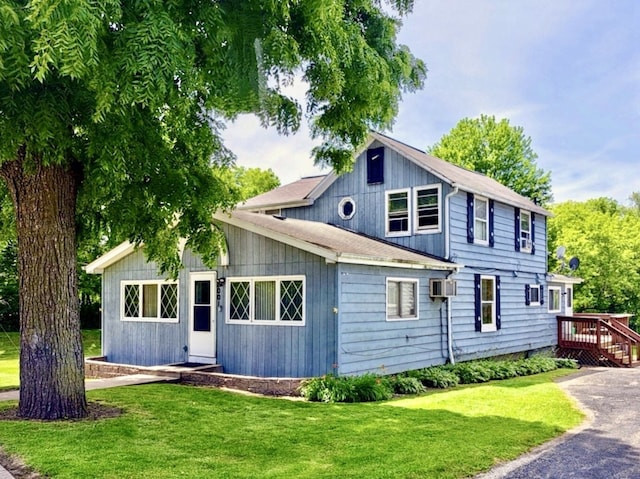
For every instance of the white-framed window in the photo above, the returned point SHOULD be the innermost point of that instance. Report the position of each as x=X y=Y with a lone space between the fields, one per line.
x=346 y=208
x=397 y=213
x=488 y=303
x=153 y=300
x=402 y=298
x=426 y=201
x=269 y=300
x=554 y=299
x=534 y=295
x=481 y=220
x=569 y=297
x=525 y=232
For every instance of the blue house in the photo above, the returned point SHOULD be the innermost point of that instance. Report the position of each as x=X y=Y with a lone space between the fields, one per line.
x=408 y=261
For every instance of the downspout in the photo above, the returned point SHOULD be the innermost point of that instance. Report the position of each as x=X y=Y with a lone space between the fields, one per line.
x=447 y=249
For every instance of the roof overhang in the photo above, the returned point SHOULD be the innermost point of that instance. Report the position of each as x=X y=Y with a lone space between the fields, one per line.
x=561 y=278
x=98 y=265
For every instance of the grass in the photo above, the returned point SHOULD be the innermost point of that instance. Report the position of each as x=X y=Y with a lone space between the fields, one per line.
x=9 y=355
x=169 y=431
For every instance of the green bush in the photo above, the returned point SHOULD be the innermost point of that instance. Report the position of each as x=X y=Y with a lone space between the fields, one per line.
x=406 y=385
x=566 y=363
x=502 y=369
x=535 y=365
x=472 y=372
x=438 y=377
x=331 y=388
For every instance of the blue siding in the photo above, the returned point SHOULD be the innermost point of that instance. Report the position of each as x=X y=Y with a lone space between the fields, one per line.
x=370 y=343
x=370 y=200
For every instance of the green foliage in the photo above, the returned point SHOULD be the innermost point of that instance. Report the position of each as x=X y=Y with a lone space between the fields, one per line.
x=332 y=388
x=606 y=237
x=436 y=377
x=406 y=385
x=473 y=372
x=498 y=150
x=9 y=302
x=249 y=182
x=567 y=363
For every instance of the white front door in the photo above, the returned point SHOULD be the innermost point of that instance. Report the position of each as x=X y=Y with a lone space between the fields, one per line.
x=202 y=317
x=568 y=300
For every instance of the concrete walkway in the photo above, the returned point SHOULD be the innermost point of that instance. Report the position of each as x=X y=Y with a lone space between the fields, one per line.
x=91 y=384
x=606 y=445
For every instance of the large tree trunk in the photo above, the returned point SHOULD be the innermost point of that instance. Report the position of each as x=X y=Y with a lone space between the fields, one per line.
x=51 y=357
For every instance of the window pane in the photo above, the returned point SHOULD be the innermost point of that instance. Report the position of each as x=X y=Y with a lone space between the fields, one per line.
x=525 y=222
x=169 y=301
x=398 y=212
x=480 y=209
x=239 y=300
x=202 y=318
x=265 y=300
x=202 y=293
x=149 y=300
x=535 y=294
x=392 y=299
x=487 y=313
x=407 y=299
x=427 y=206
x=291 y=300
x=569 y=297
x=487 y=289
x=131 y=300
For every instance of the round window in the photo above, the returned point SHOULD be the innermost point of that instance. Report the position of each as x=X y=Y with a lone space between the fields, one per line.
x=346 y=208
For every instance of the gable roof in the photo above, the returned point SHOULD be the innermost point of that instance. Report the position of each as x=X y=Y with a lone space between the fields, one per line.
x=333 y=243
x=299 y=193
x=466 y=180
x=306 y=190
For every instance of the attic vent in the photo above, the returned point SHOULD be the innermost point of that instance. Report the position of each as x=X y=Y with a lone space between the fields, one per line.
x=443 y=288
x=375 y=165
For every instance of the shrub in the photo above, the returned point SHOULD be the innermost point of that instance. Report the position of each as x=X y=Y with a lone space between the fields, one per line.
x=566 y=363
x=438 y=377
x=472 y=372
x=535 y=365
x=331 y=388
x=406 y=385
x=502 y=369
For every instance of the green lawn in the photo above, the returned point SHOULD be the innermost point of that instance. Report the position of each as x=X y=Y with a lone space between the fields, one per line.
x=170 y=431
x=9 y=354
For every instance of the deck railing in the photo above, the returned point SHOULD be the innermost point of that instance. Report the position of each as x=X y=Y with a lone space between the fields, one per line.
x=601 y=335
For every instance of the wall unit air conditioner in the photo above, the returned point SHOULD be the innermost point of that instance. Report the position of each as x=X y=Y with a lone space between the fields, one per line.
x=442 y=288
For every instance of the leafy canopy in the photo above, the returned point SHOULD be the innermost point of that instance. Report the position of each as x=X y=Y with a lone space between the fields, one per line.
x=498 y=150
x=605 y=236
x=134 y=97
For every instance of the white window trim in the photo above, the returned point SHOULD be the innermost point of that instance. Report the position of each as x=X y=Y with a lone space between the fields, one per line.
x=386 y=213
x=416 y=281
x=526 y=245
x=341 y=204
x=252 y=280
x=559 y=290
x=477 y=240
x=414 y=198
x=493 y=326
x=531 y=301
x=140 y=318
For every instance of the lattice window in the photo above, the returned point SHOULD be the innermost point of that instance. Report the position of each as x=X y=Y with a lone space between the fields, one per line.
x=131 y=301
x=240 y=300
x=149 y=301
x=291 y=300
x=169 y=301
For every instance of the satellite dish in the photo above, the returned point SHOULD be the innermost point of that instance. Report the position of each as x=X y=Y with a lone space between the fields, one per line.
x=560 y=252
x=574 y=263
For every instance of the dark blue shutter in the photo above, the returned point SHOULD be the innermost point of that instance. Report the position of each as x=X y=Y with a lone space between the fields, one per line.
x=517 y=227
x=541 y=294
x=469 y=218
x=491 y=207
x=375 y=165
x=478 y=309
x=527 y=295
x=498 y=318
x=533 y=233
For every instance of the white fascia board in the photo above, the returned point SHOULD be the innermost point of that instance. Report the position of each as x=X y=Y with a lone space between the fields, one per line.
x=554 y=278
x=280 y=237
x=98 y=265
x=353 y=259
x=272 y=206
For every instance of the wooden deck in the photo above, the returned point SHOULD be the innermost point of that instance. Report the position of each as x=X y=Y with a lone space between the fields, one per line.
x=599 y=339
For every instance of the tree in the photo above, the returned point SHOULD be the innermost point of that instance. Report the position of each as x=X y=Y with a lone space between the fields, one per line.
x=250 y=182
x=605 y=236
x=110 y=120
x=498 y=150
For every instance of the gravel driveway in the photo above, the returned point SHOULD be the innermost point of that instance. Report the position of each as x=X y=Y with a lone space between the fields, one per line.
x=606 y=446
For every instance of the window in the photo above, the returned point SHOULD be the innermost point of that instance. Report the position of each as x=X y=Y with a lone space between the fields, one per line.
x=481 y=220
x=375 y=166
x=346 y=208
x=554 y=299
x=426 y=202
x=266 y=300
x=487 y=303
x=402 y=298
x=149 y=301
x=569 y=297
x=532 y=295
x=525 y=232
x=397 y=213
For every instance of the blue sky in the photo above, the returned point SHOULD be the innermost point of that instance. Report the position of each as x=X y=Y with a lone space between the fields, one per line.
x=567 y=71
